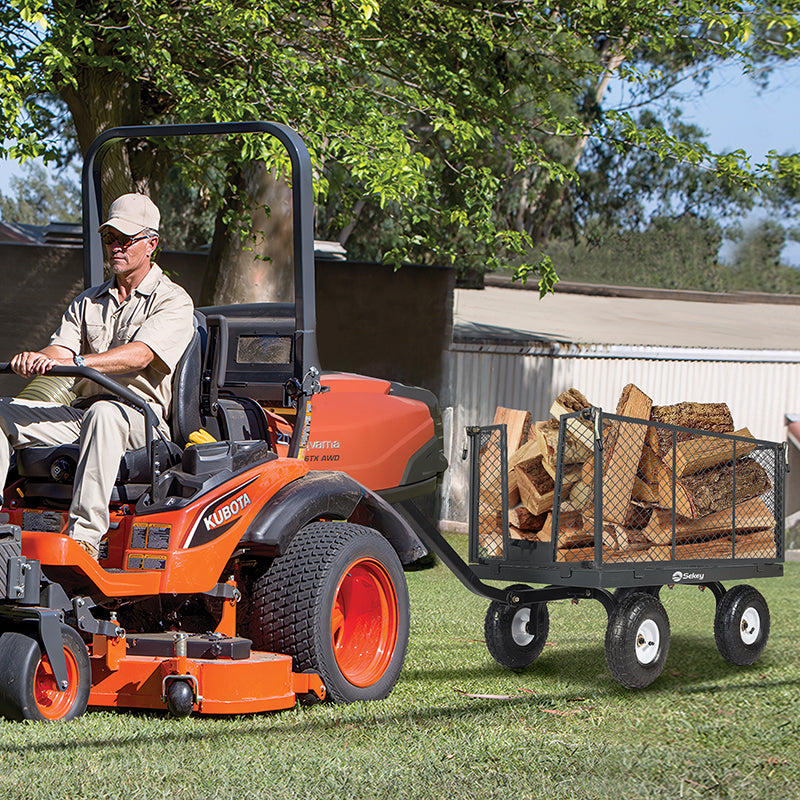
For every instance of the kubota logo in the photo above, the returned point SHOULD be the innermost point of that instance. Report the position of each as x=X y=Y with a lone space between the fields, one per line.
x=220 y=515
x=226 y=512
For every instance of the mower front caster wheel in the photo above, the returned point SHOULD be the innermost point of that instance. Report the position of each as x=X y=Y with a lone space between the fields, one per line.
x=741 y=625
x=516 y=635
x=28 y=688
x=180 y=698
x=637 y=640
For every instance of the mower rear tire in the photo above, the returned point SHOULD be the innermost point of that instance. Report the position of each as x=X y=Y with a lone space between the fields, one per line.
x=28 y=688
x=337 y=602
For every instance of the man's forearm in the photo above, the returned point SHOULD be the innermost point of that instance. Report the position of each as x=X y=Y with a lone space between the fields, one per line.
x=131 y=357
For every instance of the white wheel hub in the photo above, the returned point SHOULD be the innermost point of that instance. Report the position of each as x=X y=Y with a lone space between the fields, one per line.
x=648 y=642
x=520 y=632
x=750 y=626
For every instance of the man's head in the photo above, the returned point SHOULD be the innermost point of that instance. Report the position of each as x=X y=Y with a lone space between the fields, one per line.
x=131 y=214
x=130 y=234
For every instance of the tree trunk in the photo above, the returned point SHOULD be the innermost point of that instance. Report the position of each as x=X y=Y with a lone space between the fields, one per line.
x=254 y=267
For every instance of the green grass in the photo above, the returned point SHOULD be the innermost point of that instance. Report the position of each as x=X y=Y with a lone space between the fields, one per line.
x=566 y=730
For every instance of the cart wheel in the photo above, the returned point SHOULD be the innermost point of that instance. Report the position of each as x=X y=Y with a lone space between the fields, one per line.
x=337 y=602
x=637 y=640
x=624 y=591
x=741 y=625
x=28 y=688
x=516 y=635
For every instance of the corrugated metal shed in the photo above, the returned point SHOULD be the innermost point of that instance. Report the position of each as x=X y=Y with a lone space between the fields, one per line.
x=511 y=350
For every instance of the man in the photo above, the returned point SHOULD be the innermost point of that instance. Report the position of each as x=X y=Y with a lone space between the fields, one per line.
x=134 y=327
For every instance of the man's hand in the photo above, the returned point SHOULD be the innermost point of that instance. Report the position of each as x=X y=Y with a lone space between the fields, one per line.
x=28 y=364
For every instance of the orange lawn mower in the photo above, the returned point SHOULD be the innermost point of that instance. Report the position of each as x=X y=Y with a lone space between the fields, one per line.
x=236 y=575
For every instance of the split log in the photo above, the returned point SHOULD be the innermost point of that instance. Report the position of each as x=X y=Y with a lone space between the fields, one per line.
x=620 y=472
x=694 y=455
x=522 y=535
x=526 y=452
x=490 y=534
x=752 y=514
x=569 y=402
x=520 y=517
x=715 y=489
x=576 y=451
x=518 y=424
x=571 y=529
x=536 y=487
x=714 y=417
x=570 y=474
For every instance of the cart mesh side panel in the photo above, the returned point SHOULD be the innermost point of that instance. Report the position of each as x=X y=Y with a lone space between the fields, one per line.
x=634 y=491
x=488 y=513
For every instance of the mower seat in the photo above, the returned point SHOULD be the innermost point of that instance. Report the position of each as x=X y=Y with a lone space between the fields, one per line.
x=49 y=471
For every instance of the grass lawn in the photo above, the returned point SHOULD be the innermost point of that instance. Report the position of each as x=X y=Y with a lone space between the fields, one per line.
x=563 y=728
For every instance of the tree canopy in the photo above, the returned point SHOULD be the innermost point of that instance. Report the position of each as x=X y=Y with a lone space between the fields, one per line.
x=440 y=131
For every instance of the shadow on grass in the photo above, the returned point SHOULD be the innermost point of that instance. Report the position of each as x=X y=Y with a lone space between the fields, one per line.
x=310 y=726
x=693 y=661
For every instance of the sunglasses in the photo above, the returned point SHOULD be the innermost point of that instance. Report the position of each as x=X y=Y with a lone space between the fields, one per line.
x=109 y=239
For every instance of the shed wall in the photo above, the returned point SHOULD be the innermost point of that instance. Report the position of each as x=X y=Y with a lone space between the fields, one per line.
x=483 y=375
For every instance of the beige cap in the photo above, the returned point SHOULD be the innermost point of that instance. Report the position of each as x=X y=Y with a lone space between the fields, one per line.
x=131 y=214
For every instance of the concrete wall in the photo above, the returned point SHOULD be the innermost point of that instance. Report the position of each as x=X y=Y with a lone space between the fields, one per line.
x=371 y=319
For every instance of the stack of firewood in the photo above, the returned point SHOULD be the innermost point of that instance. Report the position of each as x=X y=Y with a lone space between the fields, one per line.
x=665 y=493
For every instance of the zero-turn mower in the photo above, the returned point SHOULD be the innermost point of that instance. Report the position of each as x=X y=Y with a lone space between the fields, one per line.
x=236 y=575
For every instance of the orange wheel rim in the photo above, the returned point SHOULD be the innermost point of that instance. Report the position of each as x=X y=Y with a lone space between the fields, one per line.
x=364 y=622
x=51 y=703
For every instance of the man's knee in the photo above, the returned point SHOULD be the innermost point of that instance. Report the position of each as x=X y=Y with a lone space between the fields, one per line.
x=108 y=417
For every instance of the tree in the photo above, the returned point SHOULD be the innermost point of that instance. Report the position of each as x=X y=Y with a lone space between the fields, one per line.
x=38 y=198
x=441 y=131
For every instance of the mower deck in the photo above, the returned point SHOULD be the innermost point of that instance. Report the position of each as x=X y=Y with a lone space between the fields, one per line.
x=260 y=682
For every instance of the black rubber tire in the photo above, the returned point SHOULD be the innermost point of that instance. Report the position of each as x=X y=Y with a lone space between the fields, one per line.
x=293 y=603
x=180 y=698
x=516 y=635
x=741 y=625
x=624 y=591
x=27 y=690
x=637 y=640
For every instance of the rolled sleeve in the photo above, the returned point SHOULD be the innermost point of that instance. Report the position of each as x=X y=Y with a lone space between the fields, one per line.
x=69 y=331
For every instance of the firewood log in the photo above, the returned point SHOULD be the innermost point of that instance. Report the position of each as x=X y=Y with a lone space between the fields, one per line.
x=520 y=517
x=694 y=455
x=714 y=489
x=702 y=416
x=536 y=486
x=620 y=471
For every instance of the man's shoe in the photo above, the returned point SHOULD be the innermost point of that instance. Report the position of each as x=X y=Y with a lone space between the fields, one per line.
x=89 y=548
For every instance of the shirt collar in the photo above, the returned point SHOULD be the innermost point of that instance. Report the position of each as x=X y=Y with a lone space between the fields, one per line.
x=146 y=287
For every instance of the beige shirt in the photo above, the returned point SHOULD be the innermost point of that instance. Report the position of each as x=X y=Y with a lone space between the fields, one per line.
x=158 y=313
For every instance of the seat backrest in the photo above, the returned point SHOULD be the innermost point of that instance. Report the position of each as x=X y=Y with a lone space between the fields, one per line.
x=185 y=417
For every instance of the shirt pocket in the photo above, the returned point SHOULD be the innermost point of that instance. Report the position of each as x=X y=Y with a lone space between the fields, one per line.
x=97 y=338
x=124 y=334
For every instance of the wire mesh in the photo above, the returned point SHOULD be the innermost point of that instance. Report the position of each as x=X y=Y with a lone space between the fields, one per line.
x=489 y=511
x=606 y=489
x=651 y=492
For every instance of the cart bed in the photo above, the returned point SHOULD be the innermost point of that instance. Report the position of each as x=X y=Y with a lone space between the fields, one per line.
x=635 y=503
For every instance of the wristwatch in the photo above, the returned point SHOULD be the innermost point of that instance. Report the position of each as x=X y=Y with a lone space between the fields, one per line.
x=79 y=361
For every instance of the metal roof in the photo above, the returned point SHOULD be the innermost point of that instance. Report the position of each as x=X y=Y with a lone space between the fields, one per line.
x=610 y=325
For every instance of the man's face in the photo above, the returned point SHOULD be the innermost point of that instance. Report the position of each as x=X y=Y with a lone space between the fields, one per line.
x=128 y=254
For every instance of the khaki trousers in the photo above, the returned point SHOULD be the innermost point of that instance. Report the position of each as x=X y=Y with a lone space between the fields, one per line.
x=104 y=432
